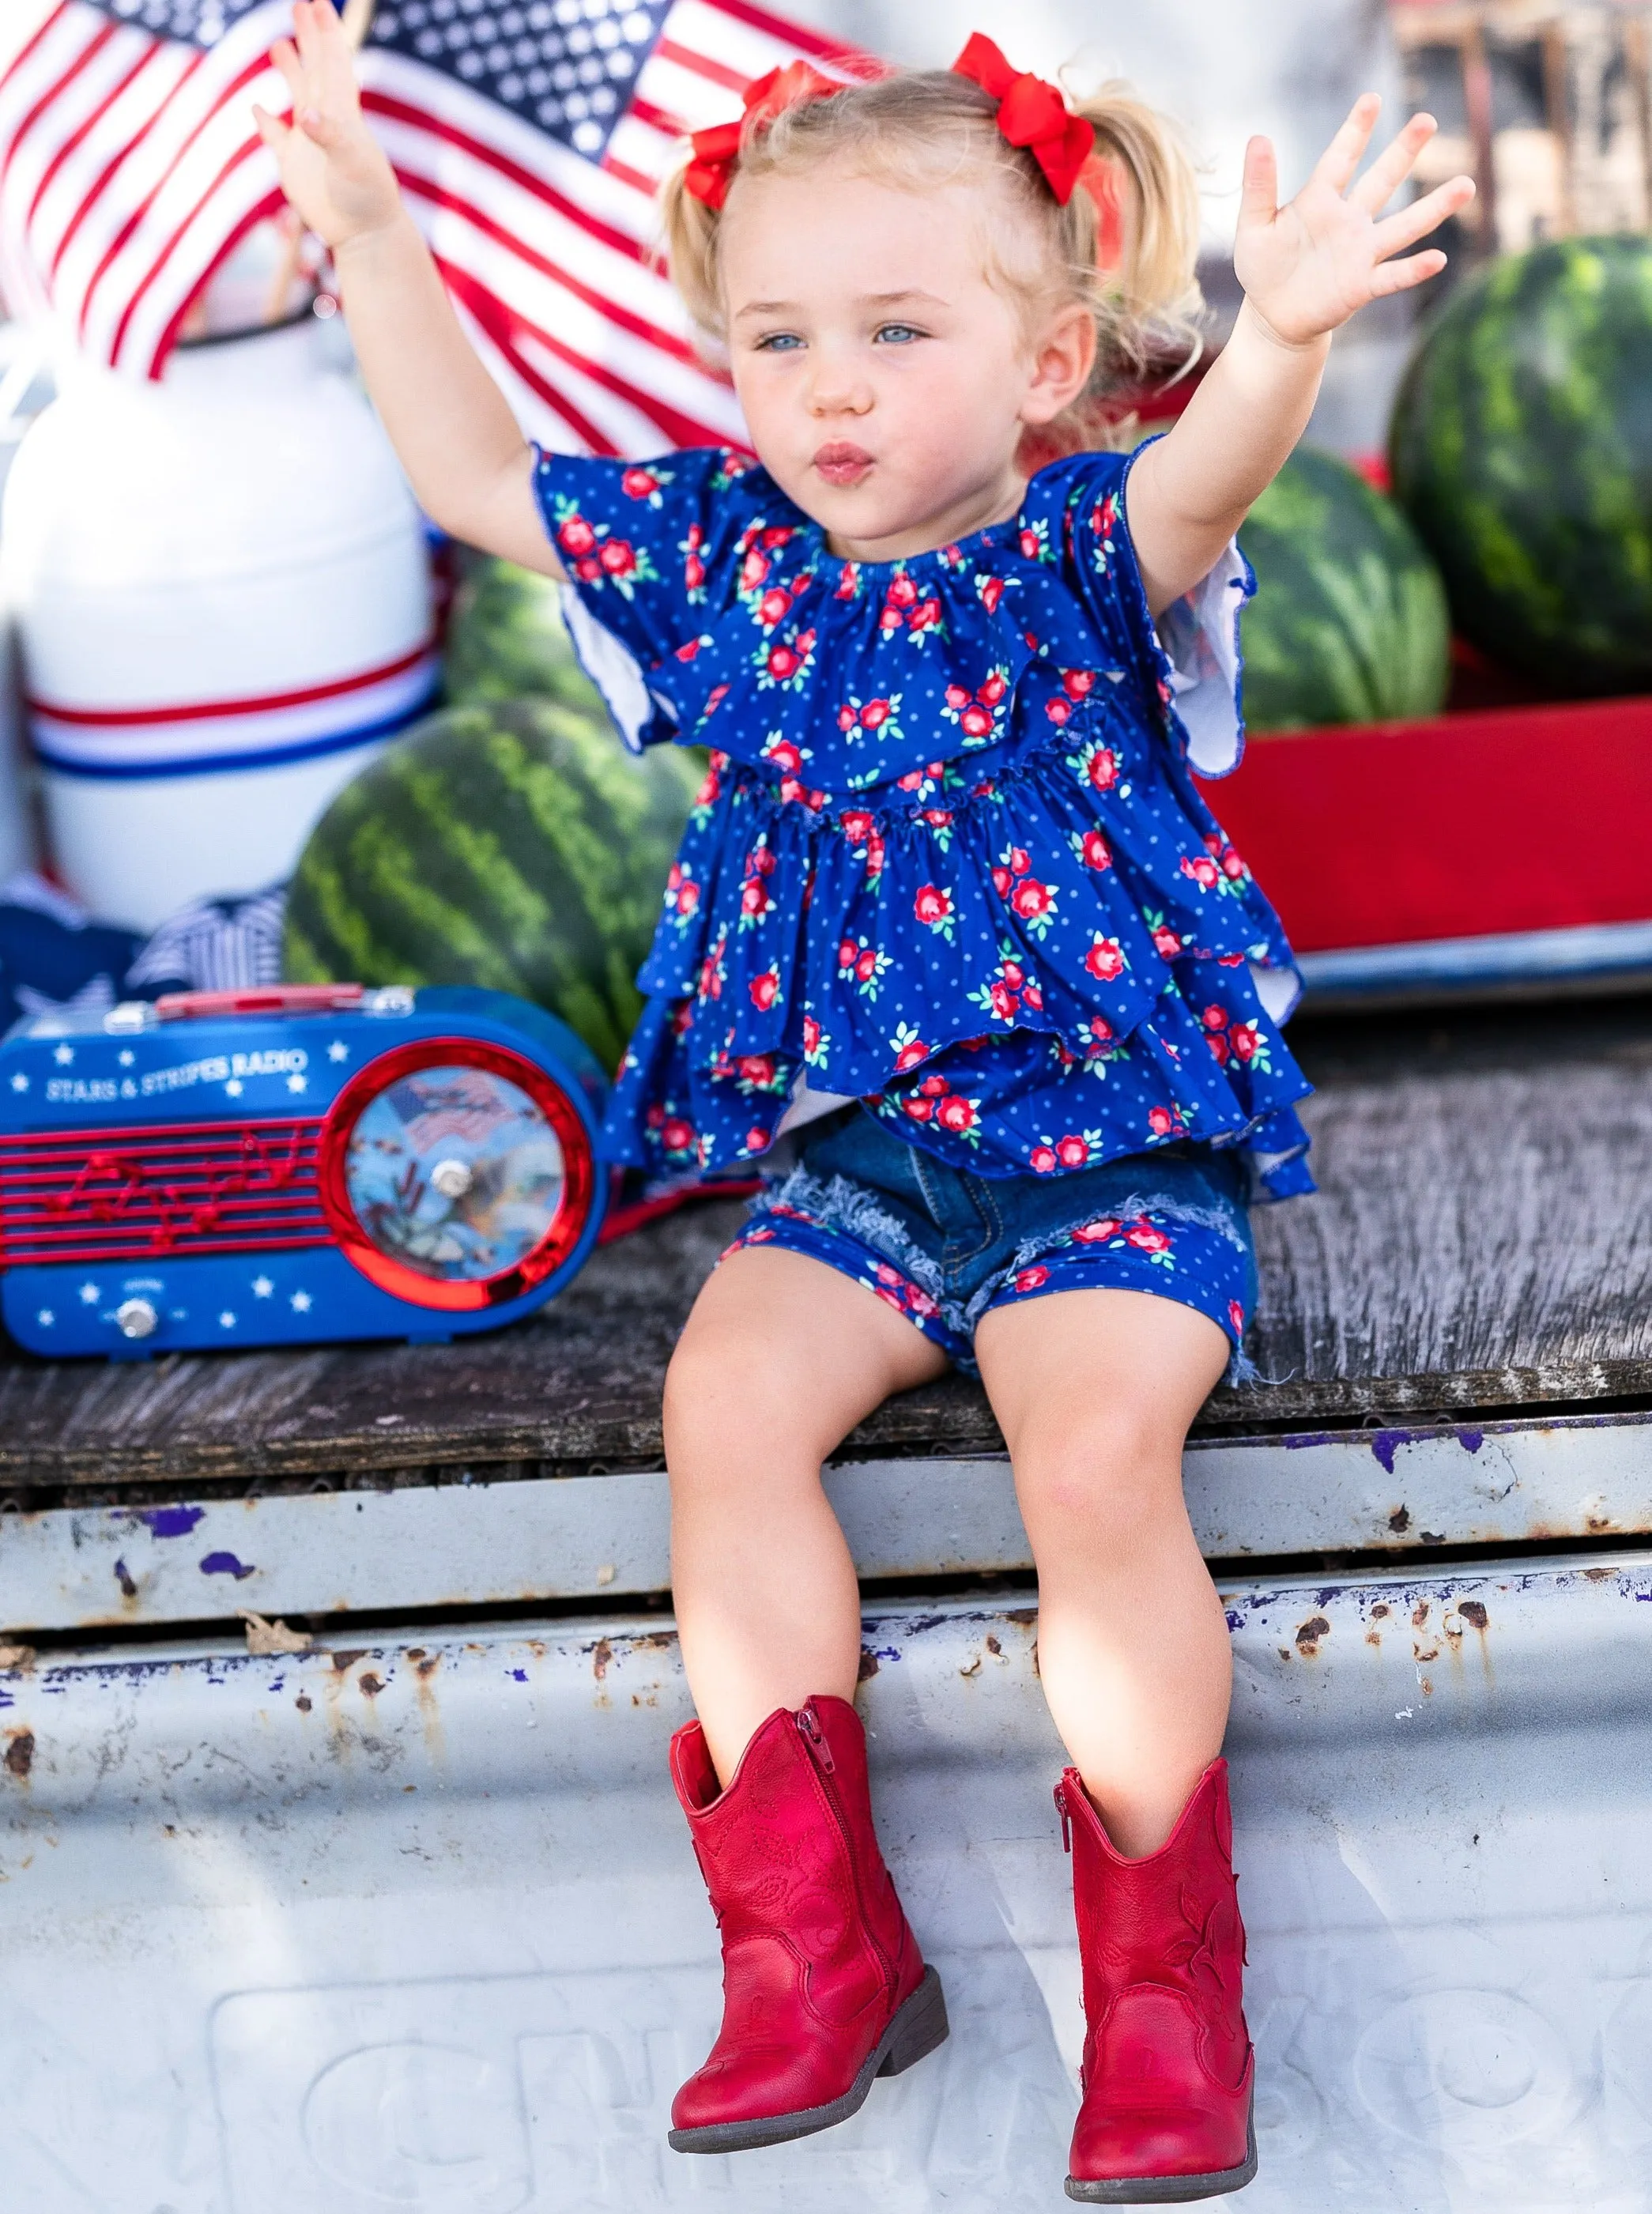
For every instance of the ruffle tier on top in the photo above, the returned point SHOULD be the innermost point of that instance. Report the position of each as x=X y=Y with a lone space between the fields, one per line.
x=948 y=857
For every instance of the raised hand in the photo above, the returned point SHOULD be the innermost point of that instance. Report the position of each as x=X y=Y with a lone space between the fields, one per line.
x=1308 y=267
x=332 y=169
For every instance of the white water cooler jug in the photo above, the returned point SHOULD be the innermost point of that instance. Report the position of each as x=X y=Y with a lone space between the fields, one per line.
x=222 y=598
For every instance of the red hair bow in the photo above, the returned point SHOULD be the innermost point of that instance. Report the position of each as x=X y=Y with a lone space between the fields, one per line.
x=716 y=152
x=1032 y=113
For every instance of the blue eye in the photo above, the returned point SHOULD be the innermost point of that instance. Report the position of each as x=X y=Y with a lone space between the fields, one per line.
x=779 y=342
x=897 y=335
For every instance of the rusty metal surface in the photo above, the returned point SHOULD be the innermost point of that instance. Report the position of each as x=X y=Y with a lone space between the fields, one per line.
x=565 y=1538
x=416 y=1925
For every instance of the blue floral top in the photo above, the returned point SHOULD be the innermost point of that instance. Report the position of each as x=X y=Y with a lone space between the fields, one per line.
x=948 y=857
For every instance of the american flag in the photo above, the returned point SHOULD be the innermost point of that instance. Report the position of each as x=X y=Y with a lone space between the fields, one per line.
x=528 y=137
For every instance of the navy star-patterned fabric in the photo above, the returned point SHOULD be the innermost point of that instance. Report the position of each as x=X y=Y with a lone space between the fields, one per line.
x=949 y=857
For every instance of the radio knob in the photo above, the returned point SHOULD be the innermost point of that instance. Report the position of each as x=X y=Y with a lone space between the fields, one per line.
x=136 y=1318
x=453 y=1179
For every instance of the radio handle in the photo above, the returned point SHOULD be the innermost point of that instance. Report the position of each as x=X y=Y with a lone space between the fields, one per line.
x=261 y=1000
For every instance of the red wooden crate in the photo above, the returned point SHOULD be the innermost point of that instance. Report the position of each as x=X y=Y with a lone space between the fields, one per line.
x=1504 y=847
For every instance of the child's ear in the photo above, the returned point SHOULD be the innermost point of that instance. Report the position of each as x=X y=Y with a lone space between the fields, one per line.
x=1063 y=357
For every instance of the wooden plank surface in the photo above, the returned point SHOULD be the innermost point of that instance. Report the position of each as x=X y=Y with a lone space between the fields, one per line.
x=1483 y=1239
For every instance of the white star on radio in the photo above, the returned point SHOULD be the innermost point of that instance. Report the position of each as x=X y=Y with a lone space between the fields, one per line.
x=89 y=1295
x=338 y=1050
x=125 y=1056
x=298 y=1084
x=226 y=1320
x=301 y=1302
x=235 y=1087
x=262 y=1287
x=64 y=1055
x=45 y=1318
x=20 y=1082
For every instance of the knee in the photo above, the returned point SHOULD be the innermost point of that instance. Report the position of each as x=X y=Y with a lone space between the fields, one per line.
x=726 y=1409
x=1111 y=1477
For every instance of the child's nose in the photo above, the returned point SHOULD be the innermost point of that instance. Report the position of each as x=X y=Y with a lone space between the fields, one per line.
x=836 y=389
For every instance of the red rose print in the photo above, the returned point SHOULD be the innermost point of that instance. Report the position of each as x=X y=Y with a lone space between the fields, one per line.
x=765 y=989
x=589 y=570
x=1033 y=996
x=992 y=590
x=576 y=536
x=857 y=824
x=1101 y=1029
x=1041 y=1161
x=957 y=697
x=676 y=1135
x=924 y=616
x=933 y=1086
x=1161 y=1121
x=849 y=581
x=1020 y=860
x=714 y=700
x=1202 y=871
x=804 y=642
x=1078 y=683
x=710 y=789
x=936 y=817
x=1029 y=544
x=1104 y=768
x=1167 y=941
x=783 y=663
x=784 y=754
x=917 y=1107
x=1236 y=1317
x=1097 y=1233
x=932 y=905
x=1232 y=865
x=1004 y=1002
x=909 y=1055
x=874 y=853
x=774 y=605
x=754 y=571
x=1105 y=959
x=902 y=591
x=1058 y=709
x=874 y=714
x=846 y=719
x=711 y=984
x=1012 y=973
x=1246 y=1040
x=865 y=967
x=1001 y=882
x=890 y=621
x=777 y=534
x=754 y=898
x=760 y=862
x=1215 y=1017
x=993 y=690
x=687 y=897
x=756 y=1068
x=693 y=573
x=846 y=951
x=976 y=722
x=638 y=484
x=1072 y=1152
x=914 y=781
x=811 y=1034
x=956 y=1114
x=1031 y=899
x=1146 y=1238
x=757 y=1140
x=618 y=557
x=1218 y=1045
x=1096 y=851
x=1032 y=1280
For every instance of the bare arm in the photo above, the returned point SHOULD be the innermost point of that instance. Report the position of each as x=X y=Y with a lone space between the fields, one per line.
x=468 y=463
x=1305 y=269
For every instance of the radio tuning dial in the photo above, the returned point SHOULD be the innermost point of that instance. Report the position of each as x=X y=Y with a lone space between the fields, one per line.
x=136 y=1318
x=452 y=1178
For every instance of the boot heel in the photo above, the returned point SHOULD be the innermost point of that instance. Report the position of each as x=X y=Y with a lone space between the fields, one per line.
x=919 y=2026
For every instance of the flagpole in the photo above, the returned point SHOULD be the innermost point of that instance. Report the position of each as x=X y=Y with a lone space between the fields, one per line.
x=355 y=20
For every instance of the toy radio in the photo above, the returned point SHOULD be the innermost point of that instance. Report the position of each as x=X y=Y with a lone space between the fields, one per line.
x=290 y=1166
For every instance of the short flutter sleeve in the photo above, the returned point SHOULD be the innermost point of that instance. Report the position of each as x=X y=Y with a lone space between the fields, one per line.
x=651 y=549
x=1189 y=661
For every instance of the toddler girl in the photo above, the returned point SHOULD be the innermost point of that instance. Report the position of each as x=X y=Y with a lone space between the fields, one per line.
x=950 y=907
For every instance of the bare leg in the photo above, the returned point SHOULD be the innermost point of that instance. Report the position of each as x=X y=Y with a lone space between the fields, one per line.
x=1094 y=1392
x=782 y=1357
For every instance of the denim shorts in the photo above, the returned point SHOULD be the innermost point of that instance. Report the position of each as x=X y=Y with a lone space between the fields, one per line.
x=942 y=1246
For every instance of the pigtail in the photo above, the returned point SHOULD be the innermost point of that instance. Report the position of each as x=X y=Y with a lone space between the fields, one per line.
x=688 y=237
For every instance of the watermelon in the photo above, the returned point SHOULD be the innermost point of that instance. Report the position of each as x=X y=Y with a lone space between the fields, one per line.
x=1522 y=448
x=507 y=640
x=1350 y=622
x=512 y=845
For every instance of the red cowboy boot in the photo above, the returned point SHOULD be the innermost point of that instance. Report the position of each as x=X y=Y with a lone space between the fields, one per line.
x=1167 y=2062
x=823 y=1986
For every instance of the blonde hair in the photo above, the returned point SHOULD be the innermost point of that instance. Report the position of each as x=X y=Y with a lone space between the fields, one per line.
x=926 y=128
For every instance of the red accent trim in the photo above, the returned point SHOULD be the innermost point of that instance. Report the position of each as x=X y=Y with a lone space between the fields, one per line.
x=1464 y=826
x=264 y=999
x=622 y=1220
x=199 y=711
x=403 y=1282
x=398 y=111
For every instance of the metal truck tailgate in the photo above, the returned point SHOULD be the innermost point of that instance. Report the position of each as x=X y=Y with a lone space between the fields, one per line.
x=416 y=1925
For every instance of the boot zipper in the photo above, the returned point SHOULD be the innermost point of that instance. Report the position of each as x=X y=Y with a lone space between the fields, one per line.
x=1066 y=1820
x=820 y=1752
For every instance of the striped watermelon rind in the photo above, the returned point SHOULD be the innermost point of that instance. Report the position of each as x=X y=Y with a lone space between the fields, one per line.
x=506 y=640
x=1522 y=449
x=514 y=846
x=1349 y=623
